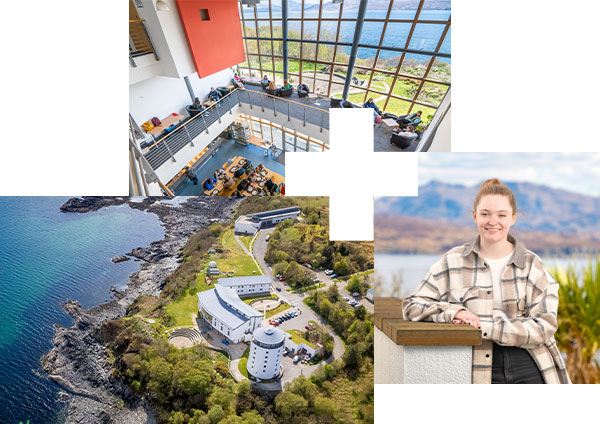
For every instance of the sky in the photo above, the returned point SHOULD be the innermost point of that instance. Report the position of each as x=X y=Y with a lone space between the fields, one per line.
x=577 y=172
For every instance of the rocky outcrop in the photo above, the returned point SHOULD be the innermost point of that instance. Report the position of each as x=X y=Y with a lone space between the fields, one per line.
x=119 y=258
x=78 y=361
x=90 y=203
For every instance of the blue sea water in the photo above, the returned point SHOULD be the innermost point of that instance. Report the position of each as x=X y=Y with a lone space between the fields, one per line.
x=425 y=36
x=46 y=257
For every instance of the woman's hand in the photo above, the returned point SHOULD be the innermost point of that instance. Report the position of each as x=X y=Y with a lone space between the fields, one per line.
x=466 y=317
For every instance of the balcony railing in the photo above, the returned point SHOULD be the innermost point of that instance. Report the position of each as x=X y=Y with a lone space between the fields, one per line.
x=139 y=41
x=168 y=145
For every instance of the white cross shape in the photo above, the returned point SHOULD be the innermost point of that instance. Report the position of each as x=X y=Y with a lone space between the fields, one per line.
x=351 y=174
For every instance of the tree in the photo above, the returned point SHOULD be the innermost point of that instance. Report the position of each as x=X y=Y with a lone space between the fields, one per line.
x=332 y=293
x=279 y=268
x=341 y=267
x=192 y=380
x=290 y=405
x=354 y=285
x=281 y=256
x=360 y=312
x=304 y=387
x=221 y=396
x=325 y=409
x=216 y=414
x=252 y=417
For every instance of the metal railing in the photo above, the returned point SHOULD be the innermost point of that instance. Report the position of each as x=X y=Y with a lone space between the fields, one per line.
x=139 y=41
x=290 y=108
x=168 y=145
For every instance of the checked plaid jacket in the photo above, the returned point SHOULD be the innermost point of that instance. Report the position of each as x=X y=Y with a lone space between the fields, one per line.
x=461 y=279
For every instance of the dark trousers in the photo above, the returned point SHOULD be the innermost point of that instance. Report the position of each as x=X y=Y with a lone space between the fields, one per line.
x=514 y=365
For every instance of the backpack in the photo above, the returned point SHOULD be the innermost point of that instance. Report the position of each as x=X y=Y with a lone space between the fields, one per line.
x=147 y=126
x=155 y=121
x=378 y=119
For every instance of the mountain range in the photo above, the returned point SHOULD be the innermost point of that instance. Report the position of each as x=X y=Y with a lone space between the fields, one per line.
x=440 y=217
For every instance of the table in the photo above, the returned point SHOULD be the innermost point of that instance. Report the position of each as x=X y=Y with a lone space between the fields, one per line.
x=209 y=103
x=275 y=177
x=257 y=141
x=312 y=96
x=166 y=123
x=389 y=123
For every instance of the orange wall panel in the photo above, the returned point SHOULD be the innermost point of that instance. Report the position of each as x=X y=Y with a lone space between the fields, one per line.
x=215 y=44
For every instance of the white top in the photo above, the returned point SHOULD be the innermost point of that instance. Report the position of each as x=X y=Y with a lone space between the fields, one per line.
x=497 y=267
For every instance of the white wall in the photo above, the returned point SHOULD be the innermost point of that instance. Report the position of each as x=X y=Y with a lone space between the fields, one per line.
x=441 y=142
x=256 y=361
x=160 y=96
x=398 y=364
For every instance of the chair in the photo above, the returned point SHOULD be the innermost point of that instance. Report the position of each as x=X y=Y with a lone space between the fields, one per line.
x=347 y=104
x=286 y=92
x=335 y=102
x=403 y=139
x=265 y=84
x=192 y=110
x=272 y=92
x=303 y=90
x=223 y=91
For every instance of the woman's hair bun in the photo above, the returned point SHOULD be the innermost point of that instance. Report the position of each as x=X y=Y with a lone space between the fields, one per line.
x=493 y=186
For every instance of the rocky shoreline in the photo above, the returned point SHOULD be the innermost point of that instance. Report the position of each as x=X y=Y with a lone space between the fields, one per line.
x=78 y=360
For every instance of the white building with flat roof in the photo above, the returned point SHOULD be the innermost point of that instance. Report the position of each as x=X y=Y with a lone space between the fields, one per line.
x=223 y=309
x=250 y=224
x=248 y=286
x=266 y=351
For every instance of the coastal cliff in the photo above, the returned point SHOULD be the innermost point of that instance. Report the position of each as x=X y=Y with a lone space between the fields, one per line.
x=78 y=362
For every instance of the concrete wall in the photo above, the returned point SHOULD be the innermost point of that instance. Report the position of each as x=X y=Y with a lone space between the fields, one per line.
x=256 y=361
x=398 y=364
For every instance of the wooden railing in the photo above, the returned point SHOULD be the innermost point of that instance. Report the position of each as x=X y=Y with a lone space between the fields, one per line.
x=139 y=40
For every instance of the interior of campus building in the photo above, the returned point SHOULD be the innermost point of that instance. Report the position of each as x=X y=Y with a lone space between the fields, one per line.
x=220 y=86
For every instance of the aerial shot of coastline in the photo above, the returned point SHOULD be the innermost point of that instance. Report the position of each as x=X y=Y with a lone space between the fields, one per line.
x=189 y=310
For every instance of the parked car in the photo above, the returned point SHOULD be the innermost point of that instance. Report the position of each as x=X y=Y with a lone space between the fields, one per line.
x=315 y=279
x=346 y=298
x=328 y=272
x=356 y=294
x=333 y=275
x=225 y=342
x=308 y=327
x=278 y=288
x=268 y=237
x=296 y=359
x=281 y=279
x=353 y=303
x=278 y=276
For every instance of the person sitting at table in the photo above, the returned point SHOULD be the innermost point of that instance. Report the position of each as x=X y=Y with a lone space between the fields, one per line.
x=271 y=186
x=371 y=104
x=286 y=84
x=413 y=119
x=239 y=172
x=228 y=182
x=214 y=95
x=238 y=81
x=209 y=183
x=198 y=104
x=264 y=82
x=191 y=175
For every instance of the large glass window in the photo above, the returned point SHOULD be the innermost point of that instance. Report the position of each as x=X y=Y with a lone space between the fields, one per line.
x=403 y=60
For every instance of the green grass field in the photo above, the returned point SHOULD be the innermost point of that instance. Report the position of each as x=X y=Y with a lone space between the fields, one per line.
x=297 y=338
x=233 y=258
x=277 y=310
x=246 y=240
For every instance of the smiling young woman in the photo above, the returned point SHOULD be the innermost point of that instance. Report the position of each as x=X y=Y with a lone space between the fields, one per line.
x=495 y=284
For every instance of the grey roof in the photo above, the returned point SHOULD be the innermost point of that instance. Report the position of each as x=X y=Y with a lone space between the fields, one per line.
x=275 y=212
x=240 y=281
x=229 y=296
x=224 y=304
x=268 y=335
